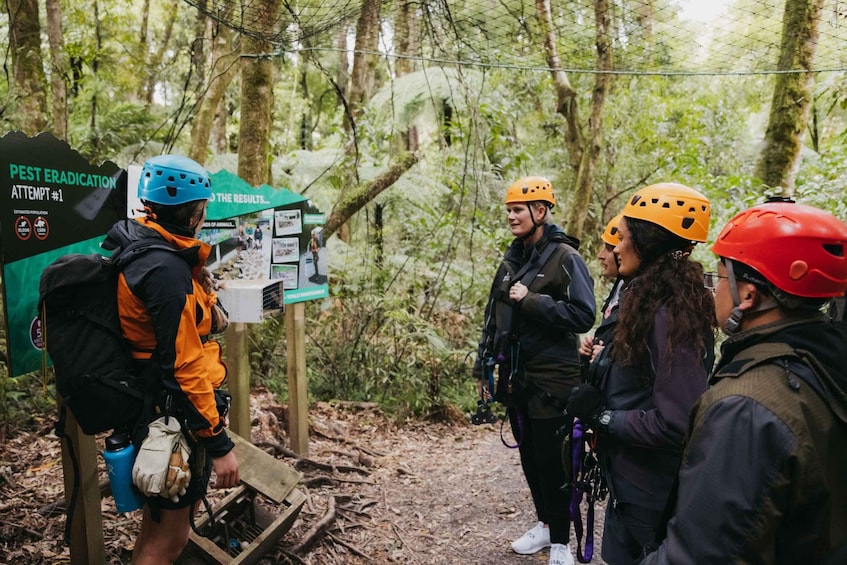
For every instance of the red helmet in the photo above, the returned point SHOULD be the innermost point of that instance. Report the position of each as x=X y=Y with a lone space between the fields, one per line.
x=799 y=249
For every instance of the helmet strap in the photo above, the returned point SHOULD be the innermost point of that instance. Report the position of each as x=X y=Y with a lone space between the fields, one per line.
x=147 y=210
x=733 y=323
x=535 y=225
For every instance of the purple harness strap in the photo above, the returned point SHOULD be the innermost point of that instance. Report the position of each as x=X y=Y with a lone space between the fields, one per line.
x=577 y=457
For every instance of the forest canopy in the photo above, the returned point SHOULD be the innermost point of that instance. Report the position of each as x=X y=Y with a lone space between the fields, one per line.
x=407 y=120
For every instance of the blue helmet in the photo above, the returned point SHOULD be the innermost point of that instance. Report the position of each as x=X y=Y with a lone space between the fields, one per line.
x=172 y=180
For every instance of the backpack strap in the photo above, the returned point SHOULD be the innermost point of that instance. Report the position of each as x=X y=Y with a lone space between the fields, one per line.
x=138 y=247
x=797 y=363
x=527 y=272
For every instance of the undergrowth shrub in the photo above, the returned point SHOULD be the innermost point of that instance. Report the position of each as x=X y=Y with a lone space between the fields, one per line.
x=368 y=347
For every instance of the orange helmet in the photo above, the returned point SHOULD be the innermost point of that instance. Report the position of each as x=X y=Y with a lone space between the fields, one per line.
x=799 y=249
x=681 y=210
x=531 y=189
x=611 y=235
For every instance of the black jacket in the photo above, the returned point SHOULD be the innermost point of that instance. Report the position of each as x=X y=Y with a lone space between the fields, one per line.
x=764 y=476
x=166 y=316
x=650 y=408
x=540 y=334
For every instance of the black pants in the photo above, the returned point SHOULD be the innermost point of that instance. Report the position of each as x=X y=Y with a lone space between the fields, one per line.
x=627 y=530
x=541 y=460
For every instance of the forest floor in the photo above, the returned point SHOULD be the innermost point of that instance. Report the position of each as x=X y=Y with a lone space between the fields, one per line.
x=383 y=491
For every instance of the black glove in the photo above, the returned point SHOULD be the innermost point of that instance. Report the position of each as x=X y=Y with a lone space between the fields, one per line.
x=585 y=402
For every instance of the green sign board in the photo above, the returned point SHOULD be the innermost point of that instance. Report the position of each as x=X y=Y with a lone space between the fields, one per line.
x=232 y=196
x=52 y=202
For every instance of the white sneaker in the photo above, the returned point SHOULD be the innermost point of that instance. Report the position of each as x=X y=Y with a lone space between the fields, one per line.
x=533 y=541
x=560 y=554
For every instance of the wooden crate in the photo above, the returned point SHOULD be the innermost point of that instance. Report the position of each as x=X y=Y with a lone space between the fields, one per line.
x=250 y=520
x=244 y=530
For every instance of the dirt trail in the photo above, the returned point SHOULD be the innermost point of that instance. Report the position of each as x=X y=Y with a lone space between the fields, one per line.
x=423 y=493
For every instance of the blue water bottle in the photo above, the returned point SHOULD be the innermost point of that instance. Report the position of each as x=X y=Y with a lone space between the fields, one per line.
x=119 y=456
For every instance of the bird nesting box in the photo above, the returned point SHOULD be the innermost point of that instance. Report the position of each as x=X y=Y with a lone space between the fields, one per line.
x=251 y=301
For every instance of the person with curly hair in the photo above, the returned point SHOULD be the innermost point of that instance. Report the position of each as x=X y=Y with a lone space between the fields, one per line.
x=650 y=376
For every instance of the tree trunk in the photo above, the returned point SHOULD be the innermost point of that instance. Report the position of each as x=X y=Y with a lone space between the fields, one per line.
x=342 y=73
x=219 y=141
x=406 y=41
x=306 y=116
x=361 y=87
x=159 y=55
x=27 y=68
x=93 y=136
x=224 y=68
x=405 y=37
x=59 y=69
x=645 y=19
x=198 y=46
x=257 y=82
x=364 y=58
x=565 y=94
x=583 y=152
x=594 y=143
x=139 y=80
x=792 y=96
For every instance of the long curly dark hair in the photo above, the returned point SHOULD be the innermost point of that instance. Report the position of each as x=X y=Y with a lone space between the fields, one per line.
x=666 y=278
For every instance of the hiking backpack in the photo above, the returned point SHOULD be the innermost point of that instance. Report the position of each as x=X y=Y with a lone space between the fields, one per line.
x=92 y=361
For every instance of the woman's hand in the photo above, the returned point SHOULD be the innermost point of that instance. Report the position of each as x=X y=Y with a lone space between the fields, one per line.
x=597 y=348
x=586 y=348
x=518 y=291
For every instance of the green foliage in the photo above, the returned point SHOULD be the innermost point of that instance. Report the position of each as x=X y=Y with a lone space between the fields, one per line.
x=373 y=347
x=120 y=126
x=268 y=359
x=24 y=401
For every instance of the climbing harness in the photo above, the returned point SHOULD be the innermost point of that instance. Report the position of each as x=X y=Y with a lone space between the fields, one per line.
x=586 y=478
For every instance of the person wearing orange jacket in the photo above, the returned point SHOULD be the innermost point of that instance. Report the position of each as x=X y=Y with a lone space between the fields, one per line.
x=168 y=309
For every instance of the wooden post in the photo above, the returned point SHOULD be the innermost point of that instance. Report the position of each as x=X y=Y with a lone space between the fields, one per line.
x=298 y=399
x=87 y=544
x=238 y=378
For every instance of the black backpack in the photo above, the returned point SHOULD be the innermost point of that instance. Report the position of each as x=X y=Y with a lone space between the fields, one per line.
x=91 y=359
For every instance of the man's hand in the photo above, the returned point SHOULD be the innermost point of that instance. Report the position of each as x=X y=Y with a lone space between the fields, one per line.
x=586 y=348
x=226 y=471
